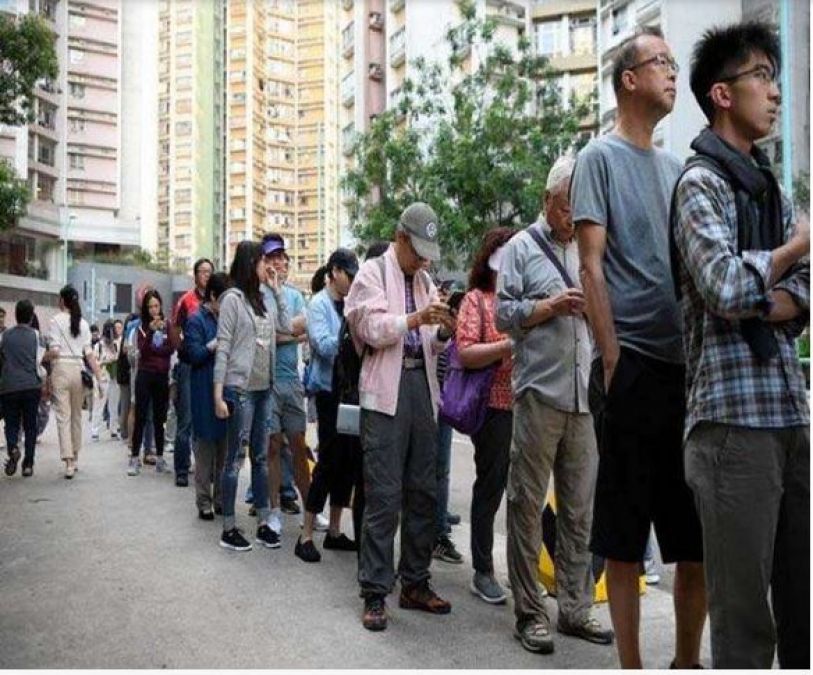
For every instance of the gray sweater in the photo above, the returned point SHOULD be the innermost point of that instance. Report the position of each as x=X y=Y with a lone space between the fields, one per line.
x=21 y=351
x=237 y=337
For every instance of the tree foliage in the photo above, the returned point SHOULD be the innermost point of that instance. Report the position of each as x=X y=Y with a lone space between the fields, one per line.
x=27 y=55
x=477 y=146
x=14 y=196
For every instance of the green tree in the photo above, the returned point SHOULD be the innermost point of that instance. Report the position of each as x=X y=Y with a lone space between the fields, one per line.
x=475 y=146
x=801 y=191
x=27 y=55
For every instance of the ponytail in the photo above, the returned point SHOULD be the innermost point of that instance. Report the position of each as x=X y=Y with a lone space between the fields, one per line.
x=70 y=298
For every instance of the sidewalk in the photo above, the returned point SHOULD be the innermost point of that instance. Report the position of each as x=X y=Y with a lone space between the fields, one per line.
x=110 y=571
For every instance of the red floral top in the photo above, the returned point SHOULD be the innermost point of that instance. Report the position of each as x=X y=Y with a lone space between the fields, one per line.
x=468 y=333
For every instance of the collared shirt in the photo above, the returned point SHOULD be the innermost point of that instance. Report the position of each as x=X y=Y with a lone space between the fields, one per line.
x=412 y=338
x=725 y=382
x=551 y=358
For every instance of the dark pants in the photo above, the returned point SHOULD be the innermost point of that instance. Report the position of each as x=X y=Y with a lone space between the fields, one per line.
x=183 y=414
x=492 y=445
x=444 y=465
x=151 y=389
x=399 y=480
x=339 y=455
x=752 y=488
x=17 y=406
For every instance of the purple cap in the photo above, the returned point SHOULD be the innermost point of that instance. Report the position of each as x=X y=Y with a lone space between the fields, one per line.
x=273 y=245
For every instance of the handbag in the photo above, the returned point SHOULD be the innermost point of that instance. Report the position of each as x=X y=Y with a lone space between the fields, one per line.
x=466 y=391
x=87 y=376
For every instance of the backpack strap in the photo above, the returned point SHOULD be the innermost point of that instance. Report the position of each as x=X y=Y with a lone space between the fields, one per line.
x=546 y=249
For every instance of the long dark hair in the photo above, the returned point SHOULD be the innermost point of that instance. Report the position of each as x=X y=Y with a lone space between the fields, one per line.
x=481 y=276
x=145 y=307
x=218 y=283
x=243 y=273
x=70 y=298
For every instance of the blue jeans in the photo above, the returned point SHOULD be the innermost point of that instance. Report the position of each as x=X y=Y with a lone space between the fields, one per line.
x=247 y=432
x=443 y=467
x=183 y=416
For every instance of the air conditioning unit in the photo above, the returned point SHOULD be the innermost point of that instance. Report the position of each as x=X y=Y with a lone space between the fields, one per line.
x=376 y=20
x=376 y=72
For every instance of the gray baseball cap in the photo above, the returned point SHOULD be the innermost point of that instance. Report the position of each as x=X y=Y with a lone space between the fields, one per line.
x=420 y=222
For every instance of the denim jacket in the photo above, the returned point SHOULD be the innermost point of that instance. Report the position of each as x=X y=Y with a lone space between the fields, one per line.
x=324 y=324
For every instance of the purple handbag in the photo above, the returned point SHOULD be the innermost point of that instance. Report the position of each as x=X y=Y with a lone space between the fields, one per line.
x=466 y=391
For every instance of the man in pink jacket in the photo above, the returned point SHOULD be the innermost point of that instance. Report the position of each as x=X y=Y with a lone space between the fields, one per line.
x=399 y=327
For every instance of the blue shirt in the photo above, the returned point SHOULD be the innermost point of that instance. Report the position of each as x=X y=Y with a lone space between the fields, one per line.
x=324 y=324
x=288 y=352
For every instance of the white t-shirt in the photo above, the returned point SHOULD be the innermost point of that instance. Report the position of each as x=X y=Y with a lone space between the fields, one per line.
x=60 y=337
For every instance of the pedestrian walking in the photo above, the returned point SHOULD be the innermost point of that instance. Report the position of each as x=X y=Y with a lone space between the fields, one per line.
x=336 y=467
x=244 y=360
x=106 y=353
x=481 y=345
x=69 y=349
x=155 y=348
x=393 y=307
x=620 y=196
x=741 y=259
x=209 y=432
x=21 y=381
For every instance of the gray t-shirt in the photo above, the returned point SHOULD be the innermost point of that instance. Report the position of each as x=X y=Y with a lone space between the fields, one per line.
x=628 y=190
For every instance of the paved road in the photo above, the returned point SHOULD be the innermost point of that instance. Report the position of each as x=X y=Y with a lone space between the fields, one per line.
x=107 y=571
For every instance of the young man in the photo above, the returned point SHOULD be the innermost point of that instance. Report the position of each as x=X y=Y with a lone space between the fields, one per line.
x=620 y=196
x=398 y=315
x=187 y=305
x=552 y=426
x=744 y=280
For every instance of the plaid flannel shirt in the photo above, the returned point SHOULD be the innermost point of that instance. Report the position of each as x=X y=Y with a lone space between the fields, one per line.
x=725 y=382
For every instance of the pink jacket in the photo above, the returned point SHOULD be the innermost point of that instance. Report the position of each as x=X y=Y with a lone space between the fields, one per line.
x=379 y=319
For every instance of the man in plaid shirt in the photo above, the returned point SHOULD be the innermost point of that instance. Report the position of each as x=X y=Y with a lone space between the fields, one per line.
x=745 y=284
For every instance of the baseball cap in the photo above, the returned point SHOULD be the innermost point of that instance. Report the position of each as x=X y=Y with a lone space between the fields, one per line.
x=420 y=222
x=345 y=260
x=273 y=244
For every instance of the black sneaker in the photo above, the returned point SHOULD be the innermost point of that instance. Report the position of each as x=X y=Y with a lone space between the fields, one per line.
x=375 y=613
x=204 y=514
x=267 y=537
x=445 y=550
x=339 y=543
x=290 y=506
x=234 y=540
x=11 y=462
x=306 y=551
x=181 y=481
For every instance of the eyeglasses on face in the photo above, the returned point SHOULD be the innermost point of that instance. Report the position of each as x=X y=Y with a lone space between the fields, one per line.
x=662 y=61
x=763 y=73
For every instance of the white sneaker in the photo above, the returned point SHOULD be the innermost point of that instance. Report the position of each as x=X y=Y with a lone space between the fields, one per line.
x=274 y=521
x=320 y=523
x=651 y=573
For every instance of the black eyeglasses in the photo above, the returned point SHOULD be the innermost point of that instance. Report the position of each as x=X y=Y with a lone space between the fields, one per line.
x=762 y=72
x=663 y=62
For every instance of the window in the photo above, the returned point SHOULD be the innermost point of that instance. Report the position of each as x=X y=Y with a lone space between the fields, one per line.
x=583 y=35
x=183 y=83
x=46 y=153
x=183 y=196
x=76 y=161
x=77 y=20
x=619 y=19
x=183 y=128
x=77 y=124
x=548 y=41
x=76 y=56
x=77 y=90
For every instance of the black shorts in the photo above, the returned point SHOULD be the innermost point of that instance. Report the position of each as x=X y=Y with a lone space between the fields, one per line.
x=639 y=429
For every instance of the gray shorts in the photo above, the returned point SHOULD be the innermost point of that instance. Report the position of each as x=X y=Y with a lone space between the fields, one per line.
x=288 y=412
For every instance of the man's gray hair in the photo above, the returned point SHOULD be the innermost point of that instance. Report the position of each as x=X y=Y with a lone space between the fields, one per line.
x=560 y=172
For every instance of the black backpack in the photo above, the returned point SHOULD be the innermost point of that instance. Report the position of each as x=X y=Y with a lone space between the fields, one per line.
x=347 y=364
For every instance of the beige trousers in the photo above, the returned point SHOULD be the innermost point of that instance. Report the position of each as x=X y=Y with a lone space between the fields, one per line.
x=69 y=393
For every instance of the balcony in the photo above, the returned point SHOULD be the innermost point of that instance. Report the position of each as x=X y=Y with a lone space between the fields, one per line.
x=376 y=72
x=348 y=40
x=348 y=90
x=348 y=139
x=376 y=21
x=398 y=47
x=509 y=13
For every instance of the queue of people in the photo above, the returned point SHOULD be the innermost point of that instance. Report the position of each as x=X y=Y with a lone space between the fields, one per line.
x=635 y=347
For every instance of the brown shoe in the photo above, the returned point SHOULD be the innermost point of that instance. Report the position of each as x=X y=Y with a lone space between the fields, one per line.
x=421 y=596
x=375 y=613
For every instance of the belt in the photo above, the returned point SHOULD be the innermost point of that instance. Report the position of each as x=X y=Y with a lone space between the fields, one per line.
x=412 y=364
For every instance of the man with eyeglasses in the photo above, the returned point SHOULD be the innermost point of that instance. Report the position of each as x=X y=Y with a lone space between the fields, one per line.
x=399 y=326
x=620 y=196
x=744 y=278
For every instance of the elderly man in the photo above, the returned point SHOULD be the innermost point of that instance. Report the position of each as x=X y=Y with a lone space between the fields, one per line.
x=393 y=310
x=541 y=307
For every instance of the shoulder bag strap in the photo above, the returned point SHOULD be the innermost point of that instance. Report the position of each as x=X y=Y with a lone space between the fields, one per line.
x=546 y=249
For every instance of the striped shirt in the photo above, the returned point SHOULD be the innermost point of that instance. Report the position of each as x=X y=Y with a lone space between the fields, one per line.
x=725 y=382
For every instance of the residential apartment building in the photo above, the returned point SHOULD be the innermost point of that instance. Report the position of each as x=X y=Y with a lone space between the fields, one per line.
x=566 y=32
x=380 y=40
x=71 y=155
x=682 y=23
